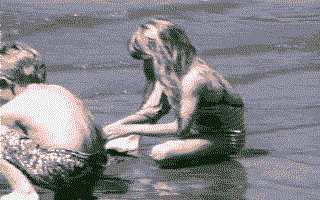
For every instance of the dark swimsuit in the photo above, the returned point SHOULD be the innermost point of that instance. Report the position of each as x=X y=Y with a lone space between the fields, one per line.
x=209 y=125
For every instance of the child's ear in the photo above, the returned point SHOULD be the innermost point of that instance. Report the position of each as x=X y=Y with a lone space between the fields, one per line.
x=28 y=70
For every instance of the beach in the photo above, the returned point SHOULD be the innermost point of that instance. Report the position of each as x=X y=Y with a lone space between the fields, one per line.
x=268 y=50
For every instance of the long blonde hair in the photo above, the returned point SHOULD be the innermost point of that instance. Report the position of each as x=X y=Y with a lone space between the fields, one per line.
x=166 y=43
x=161 y=44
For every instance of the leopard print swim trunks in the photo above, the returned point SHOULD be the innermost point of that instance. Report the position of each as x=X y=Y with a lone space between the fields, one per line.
x=50 y=168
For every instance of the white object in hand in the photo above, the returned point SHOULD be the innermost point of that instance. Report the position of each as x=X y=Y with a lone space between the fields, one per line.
x=124 y=144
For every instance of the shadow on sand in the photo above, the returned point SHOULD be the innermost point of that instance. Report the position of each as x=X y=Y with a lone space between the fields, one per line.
x=205 y=159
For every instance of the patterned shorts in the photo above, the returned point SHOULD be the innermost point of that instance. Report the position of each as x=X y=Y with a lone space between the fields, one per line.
x=50 y=168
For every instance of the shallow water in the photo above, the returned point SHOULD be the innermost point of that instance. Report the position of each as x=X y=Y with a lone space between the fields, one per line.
x=280 y=161
x=269 y=51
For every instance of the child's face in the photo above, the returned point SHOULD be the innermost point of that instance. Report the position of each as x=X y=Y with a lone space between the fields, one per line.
x=5 y=91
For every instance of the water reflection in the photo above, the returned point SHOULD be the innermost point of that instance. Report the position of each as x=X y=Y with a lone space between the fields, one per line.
x=225 y=180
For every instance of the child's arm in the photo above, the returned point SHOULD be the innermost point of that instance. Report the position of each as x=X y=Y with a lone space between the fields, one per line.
x=22 y=188
x=152 y=110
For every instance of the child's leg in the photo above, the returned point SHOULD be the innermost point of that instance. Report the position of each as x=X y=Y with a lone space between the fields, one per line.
x=178 y=148
x=22 y=188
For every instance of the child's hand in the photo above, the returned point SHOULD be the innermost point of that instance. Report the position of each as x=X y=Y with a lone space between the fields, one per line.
x=114 y=131
x=20 y=196
x=107 y=130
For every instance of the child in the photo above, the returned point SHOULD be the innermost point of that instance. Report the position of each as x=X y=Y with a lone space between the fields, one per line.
x=47 y=137
x=208 y=111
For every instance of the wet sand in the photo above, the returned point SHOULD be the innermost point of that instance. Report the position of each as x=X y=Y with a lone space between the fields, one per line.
x=280 y=161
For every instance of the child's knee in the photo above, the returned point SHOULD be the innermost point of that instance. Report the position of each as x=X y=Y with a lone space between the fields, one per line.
x=166 y=150
x=159 y=152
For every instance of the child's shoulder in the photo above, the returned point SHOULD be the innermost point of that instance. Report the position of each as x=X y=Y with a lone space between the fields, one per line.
x=196 y=76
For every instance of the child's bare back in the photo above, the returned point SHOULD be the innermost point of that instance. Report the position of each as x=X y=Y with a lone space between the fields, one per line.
x=54 y=118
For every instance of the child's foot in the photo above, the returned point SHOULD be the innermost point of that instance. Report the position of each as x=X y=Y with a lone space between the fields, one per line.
x=20 y=196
